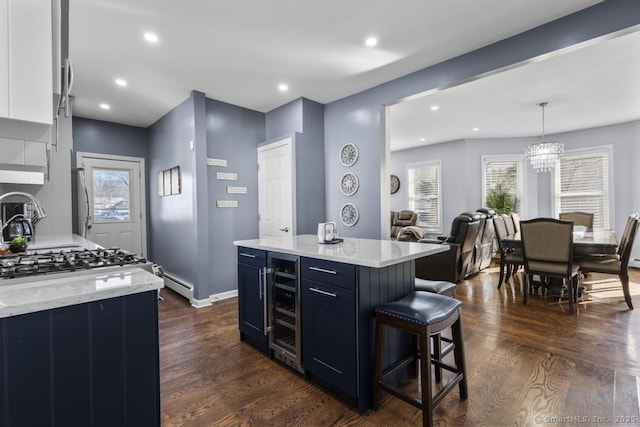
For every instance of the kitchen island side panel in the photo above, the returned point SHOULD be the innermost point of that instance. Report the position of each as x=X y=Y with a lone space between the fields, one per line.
x=70 y=334
x=94 y=363
x=27 y=369
x=3 y=408
x=142 y=364
x=377 y=286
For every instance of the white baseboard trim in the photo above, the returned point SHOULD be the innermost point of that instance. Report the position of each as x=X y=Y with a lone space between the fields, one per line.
x=199 y=303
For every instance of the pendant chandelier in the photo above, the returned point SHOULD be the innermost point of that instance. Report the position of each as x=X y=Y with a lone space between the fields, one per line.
x=544 y=154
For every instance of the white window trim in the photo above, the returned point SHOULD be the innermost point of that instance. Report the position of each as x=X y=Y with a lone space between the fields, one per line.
x=415 y=165
x=581 y=151
x=520 y=158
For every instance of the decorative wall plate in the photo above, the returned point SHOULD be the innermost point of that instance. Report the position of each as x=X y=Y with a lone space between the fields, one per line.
x=348 y=154
x=349 y=184
x=349 y=214
x=395 y=184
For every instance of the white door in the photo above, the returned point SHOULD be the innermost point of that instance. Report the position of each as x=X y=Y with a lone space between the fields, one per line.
x=275 y=189
x=111 y=203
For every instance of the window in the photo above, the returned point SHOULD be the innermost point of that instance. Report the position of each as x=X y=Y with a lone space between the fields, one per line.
x=503 y=183
x=424 y=191
x=581 y=183
x=111 y=195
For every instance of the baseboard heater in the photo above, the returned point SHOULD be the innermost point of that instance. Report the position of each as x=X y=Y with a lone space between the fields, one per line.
x=635 y=263
x=177 y=285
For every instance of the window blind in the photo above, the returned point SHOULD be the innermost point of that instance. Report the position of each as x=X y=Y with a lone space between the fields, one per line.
x=582 y=184
x=507 y=173
x=424 y=194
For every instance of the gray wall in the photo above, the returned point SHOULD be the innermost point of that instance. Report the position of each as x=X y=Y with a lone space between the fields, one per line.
x=358 y=118
x=304 y=120
x=233 y=134
x=96 y=136
x=174 y=225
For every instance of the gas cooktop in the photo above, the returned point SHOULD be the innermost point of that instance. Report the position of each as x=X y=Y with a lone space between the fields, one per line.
x=21 y=265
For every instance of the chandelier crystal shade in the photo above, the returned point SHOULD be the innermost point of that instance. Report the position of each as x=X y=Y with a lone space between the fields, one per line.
x=544 y=155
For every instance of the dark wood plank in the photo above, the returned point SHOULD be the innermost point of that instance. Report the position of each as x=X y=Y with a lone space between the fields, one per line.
x=524 y=362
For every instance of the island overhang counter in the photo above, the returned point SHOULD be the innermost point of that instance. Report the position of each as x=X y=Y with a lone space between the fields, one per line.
x=311 y=305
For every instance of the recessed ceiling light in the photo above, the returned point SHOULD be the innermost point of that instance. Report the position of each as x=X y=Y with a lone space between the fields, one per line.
x=434 y=108
x=476 y=129
x=105 y=106
x=422 y=139
x=151 y=37
x=371 y=41
x=283 y=87
x=121 y=82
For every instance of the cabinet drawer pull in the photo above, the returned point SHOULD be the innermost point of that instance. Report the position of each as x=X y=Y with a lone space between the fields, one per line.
x=247 y=255
x=329 y=294
x=322 y=270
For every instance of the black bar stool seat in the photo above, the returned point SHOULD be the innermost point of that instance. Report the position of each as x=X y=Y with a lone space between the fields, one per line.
x=423 y=314
x=436 y=287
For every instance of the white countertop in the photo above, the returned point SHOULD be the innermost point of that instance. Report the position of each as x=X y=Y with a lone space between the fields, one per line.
x=366 y=252
x=54 y=291
x=60 y=242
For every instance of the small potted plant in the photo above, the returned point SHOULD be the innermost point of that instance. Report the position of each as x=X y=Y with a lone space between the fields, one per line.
x=18 y=244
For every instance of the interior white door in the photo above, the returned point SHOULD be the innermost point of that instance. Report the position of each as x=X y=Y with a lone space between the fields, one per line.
x=113 y=216
x=275 y=189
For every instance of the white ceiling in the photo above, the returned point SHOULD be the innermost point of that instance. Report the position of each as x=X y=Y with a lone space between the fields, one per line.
x=593 y=86
x=238 y=51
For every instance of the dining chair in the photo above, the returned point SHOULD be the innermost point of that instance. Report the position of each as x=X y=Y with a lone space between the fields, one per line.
x=617 y=264
x=516 y=222
x=509 y=258
x=547 y=245
x=579 y=218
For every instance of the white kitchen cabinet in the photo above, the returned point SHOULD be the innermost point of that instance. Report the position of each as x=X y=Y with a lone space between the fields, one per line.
x=11 y=151
x=23 y=153
x=26 y=60
x=35 y=153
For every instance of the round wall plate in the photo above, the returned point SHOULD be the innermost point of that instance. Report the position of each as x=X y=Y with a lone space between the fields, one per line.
x=348 y=154
x=395 y=184
x=349 y=214
x=349 y=184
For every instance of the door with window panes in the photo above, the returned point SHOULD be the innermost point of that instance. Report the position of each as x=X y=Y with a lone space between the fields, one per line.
x=113 y=191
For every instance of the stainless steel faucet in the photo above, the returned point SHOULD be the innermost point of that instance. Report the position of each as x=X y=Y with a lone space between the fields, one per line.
x=36 y=205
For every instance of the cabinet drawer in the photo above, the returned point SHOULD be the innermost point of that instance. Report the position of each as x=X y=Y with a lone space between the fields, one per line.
x=250 y=256
x=330 y=272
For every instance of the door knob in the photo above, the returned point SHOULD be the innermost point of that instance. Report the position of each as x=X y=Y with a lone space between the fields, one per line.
x=286 y=229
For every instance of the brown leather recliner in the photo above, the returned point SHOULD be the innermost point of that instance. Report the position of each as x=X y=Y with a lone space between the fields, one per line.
x=460 y=260
x=404 y=218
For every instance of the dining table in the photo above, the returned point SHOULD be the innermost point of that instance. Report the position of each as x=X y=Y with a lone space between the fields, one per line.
x=596 y=242
x=600 y=241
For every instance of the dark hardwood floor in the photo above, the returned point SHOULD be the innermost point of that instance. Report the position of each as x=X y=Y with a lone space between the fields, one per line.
x=527 y=365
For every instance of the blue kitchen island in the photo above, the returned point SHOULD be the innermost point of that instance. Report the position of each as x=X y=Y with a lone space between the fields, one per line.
x=78 y=348
x=311 y=305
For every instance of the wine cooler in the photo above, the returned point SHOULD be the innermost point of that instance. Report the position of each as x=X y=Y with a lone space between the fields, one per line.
x=283 y=313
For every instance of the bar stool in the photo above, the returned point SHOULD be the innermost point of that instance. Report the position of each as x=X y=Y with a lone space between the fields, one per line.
x=442 y=288
x=436 y=287
x=423 y=314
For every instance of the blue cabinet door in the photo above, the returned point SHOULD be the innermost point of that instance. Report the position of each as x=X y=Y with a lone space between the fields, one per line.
x=252 y=297
x=329 y=348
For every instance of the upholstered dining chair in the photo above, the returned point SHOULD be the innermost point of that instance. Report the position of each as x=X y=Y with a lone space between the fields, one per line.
x=616 y=264
x=509 y=259
x=547 y=245
x=579 y=218
x=516 y=222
